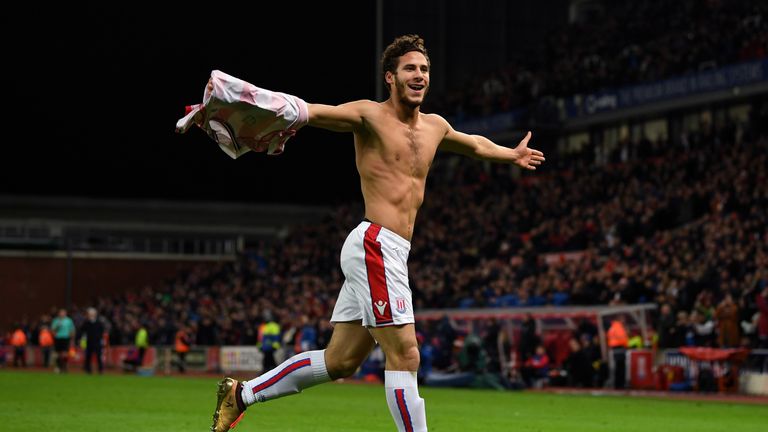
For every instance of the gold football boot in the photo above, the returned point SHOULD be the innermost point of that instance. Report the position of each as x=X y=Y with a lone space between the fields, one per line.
x=227 y=413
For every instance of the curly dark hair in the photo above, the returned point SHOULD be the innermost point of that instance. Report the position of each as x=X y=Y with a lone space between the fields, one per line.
x=401 y=46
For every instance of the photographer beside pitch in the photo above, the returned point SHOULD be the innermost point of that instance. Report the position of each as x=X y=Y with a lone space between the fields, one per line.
x=395 y=145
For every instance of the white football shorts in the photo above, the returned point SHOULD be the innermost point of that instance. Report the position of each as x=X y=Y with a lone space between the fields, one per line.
x=375 y=265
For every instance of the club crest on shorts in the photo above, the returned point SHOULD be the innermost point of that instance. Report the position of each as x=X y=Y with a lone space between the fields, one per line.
x=400 y=305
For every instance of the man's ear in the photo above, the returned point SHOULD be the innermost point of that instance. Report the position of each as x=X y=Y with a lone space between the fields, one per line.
x=389 y=77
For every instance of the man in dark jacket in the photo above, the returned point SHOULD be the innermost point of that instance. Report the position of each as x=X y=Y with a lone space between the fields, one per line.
x=93 y=332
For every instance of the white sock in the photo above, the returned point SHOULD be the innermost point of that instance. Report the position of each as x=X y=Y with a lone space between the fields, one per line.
x=405 y=404
x=292 y=376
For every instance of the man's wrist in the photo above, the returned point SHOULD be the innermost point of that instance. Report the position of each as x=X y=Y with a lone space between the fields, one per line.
x=516 y=156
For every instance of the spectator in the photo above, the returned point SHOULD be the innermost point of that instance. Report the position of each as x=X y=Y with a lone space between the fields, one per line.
x=472 y=357
x=536 y=368
x=727 y=315
x=683 y=330
x=135 y=360
x=666 y=328
x=703 y=329
x=307 y=336
x=529 y=338
x=578 y=366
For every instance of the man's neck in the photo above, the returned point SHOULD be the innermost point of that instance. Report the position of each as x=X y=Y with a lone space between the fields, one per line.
x=405 y=113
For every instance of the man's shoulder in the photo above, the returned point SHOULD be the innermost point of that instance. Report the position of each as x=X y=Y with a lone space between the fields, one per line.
x=367 y=105
x=367 y=109
x=434 y=119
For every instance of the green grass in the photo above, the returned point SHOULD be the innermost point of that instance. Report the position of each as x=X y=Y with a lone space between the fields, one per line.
x=32 y=401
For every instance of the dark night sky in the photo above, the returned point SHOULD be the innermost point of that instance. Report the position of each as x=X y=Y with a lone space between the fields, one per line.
x=96 y=91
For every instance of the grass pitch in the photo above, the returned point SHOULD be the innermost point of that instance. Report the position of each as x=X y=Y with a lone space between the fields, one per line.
x=32 y=401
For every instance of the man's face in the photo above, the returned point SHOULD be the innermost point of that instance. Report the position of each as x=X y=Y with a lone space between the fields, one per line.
x=411 y=79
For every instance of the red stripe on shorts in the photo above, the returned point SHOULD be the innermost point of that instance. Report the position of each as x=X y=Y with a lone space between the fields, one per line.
x=377 y=281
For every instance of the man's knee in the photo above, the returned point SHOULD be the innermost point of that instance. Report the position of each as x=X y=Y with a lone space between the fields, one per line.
x=341 y=367
x=405 y=359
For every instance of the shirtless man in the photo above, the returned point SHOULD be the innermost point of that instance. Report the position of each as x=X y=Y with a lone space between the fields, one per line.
x=394 y=146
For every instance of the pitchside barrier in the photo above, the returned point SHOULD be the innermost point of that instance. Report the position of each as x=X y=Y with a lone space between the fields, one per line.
x=157 y=359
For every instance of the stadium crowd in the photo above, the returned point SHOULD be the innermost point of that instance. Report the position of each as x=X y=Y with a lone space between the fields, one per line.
x=632 y=42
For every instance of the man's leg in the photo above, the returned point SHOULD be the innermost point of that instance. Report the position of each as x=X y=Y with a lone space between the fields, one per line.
x=182 y=362
x=65 y=358
x=140 y=359
x=620 y=368
x=99 y=361
x=87 y=364
x=350 y=345
x=402 y=353
x=59 y=361
x=269 y=360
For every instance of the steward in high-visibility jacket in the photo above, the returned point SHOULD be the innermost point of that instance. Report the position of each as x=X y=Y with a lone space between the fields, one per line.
x=19 y=342
x=181 y=346
x=45 y=339
x=19 y=338
x=618 y=341
x=269 y=342
x=617 y=335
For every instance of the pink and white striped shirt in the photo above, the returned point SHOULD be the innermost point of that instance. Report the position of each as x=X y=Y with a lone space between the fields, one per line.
x=241 y=117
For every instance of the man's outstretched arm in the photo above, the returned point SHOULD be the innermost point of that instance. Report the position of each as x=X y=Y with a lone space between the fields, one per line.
x=479 y=147
x=348 y=117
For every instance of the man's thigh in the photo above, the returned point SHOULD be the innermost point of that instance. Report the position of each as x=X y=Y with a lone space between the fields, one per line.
x=349 y=341
x=395 y=339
